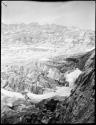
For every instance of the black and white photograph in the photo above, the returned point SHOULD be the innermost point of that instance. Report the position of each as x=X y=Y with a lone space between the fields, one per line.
x=47 y=62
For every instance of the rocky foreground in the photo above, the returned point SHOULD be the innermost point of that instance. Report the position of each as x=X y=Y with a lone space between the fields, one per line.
x=78 y=107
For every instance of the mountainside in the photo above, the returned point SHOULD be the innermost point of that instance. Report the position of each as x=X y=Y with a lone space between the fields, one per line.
x=79 y=107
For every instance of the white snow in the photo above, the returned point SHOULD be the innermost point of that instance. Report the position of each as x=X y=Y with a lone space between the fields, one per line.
x=63 y=91
x=72 y=76
x=11 y=94
x=38 y=98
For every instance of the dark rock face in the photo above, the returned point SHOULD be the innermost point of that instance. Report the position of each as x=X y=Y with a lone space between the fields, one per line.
x=78 y=108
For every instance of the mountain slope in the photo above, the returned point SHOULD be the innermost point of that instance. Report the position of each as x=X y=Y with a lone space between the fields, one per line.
x=79 y=107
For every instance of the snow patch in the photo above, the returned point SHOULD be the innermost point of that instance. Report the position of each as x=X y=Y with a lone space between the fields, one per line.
x=72 y=76
x=11 y=94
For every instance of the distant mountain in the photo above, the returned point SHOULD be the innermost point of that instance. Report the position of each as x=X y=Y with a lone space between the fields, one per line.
x=55 y=34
